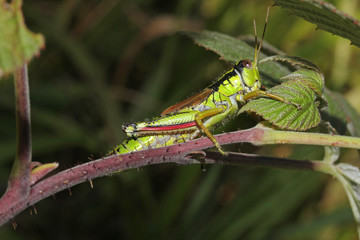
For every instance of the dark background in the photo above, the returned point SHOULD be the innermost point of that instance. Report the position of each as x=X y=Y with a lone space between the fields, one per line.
x=111 y=62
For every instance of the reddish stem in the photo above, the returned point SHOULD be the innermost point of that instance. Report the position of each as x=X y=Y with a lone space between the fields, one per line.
x=19 y=184
x=184 y=153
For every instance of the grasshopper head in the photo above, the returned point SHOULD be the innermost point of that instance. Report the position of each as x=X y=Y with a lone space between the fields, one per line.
x=248 y=73
x=247 y=70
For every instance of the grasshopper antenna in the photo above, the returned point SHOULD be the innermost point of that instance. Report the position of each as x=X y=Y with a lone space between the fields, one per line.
x=256 y=45
x=263 y=35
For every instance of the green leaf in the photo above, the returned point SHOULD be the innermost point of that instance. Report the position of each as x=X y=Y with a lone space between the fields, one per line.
x=325 y=16
x=232 y=50
x=294 y=61
x=228 y=48
x=287 y=116
x=17 y=44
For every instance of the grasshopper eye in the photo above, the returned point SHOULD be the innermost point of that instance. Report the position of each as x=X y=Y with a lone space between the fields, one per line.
x=247 y=63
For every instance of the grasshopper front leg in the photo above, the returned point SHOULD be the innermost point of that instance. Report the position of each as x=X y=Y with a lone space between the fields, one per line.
x=258 y=93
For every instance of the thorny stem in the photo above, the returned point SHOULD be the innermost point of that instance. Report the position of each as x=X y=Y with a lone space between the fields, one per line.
x=19 y=184
x=171 y=154
x=190 y=152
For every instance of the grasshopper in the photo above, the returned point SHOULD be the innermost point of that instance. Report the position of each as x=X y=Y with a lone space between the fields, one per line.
x=203 y=111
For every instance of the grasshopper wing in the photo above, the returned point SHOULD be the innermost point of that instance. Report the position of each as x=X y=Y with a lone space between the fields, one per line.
x=189 y=102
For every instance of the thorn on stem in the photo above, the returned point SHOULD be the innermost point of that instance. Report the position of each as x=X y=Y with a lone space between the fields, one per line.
x=35 y=211
x=14 y=224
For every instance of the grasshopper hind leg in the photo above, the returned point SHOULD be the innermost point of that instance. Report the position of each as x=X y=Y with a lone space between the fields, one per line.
x=209 y=113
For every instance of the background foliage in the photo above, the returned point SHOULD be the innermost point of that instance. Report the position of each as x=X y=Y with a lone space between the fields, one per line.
x=111 y=62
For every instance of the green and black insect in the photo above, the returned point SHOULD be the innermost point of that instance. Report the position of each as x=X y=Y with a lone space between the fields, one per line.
x=199 y=113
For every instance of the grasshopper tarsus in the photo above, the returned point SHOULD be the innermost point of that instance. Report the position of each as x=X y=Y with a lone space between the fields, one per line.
x=224 y=153
x=219 y=148
x=298 y=106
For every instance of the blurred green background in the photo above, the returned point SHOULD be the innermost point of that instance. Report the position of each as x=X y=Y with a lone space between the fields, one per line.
x=111 y=62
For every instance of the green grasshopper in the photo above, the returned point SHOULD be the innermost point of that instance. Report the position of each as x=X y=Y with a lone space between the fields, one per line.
x=203 y=111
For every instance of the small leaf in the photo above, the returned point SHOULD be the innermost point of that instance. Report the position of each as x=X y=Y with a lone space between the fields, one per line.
x=17 y=44
x=287 y=116
x=325 y=16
